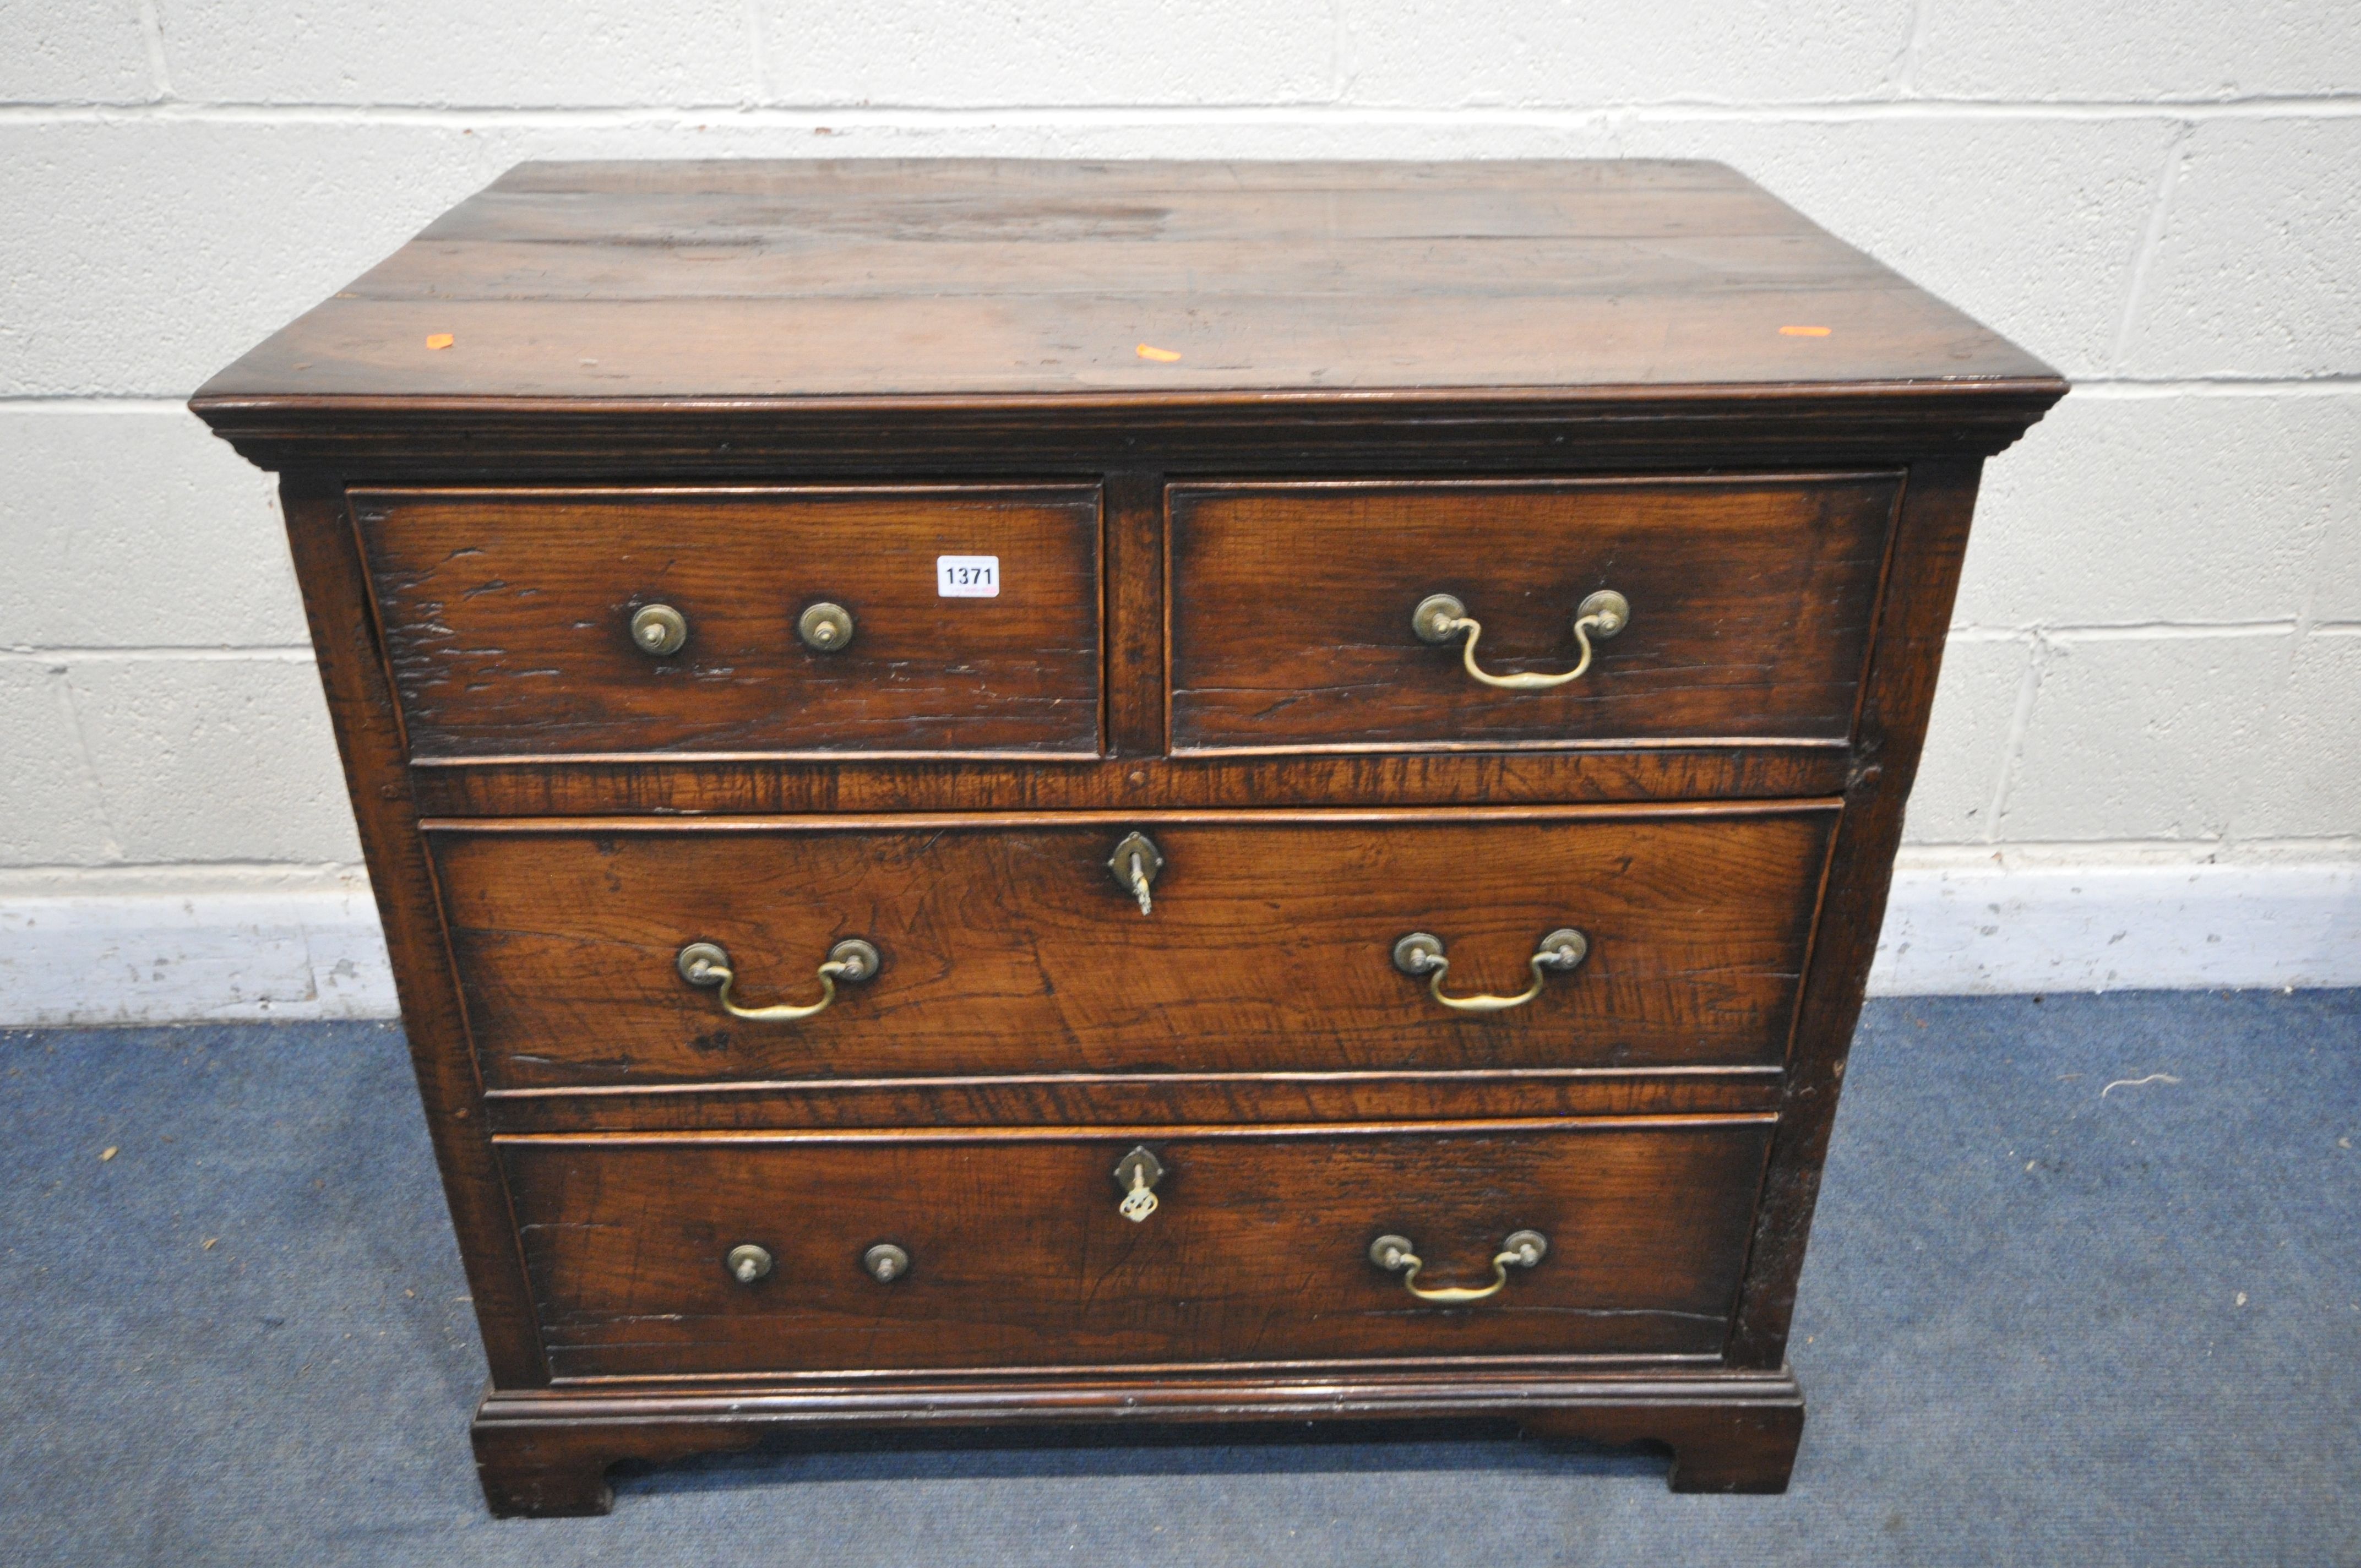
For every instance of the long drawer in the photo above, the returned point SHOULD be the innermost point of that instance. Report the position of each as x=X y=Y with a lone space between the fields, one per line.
x=1273 y=942
x=1346 y=615
x=679 y=1256
x=840 y=621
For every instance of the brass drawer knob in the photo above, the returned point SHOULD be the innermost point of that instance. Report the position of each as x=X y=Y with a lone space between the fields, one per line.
x=1398 y=1255
x=659 y=630
x=747 y=1263
x=825 y=628
x=1439 y=617
x=1421 y=953
x=706 y=965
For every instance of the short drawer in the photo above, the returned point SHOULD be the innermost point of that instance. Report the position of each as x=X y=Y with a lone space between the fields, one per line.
x=1295 y=611
x=1008 y=1249
x=1009 y=946
x=524 y=623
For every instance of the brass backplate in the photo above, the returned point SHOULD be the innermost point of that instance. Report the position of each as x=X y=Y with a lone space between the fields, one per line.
x=1613 y=610
x=1432 y=621
x=659 y=630
x=825 y=628
x=1138 y=1169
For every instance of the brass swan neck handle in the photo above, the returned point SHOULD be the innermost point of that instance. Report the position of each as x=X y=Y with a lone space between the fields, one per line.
x=1398 y=1255
x=1439 y=617
x=707 y=966
x=1421 y=953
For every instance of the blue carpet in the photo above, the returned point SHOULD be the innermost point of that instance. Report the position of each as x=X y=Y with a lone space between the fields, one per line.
x=2045 y=1321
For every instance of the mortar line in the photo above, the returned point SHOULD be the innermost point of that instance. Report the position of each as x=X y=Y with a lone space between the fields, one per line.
x=151 y=35
x=2266 y=744
x=69 y=881
x=2067 y=636
x=2020 y=720
x=2094 y=856
x=111 y=840
x=1905 y=78
x=1336 y=30
x=757 y=47
x=1308 y=112
x=2151 y=241
x=2128 y=388
x=102 y=653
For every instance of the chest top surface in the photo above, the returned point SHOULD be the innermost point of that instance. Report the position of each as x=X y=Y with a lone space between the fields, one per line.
x=951 y=281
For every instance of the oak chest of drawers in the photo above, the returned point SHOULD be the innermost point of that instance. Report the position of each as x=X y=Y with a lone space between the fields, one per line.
x=1053 y=792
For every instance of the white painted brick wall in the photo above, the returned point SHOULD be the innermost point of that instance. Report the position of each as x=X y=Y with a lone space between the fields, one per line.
x=2147 y=738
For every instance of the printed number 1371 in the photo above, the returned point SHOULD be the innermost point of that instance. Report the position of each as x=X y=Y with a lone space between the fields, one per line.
x=967 y=576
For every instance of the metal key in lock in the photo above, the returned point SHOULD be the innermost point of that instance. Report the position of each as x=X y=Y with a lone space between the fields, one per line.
x=1135 y=863
x=1137 y=1173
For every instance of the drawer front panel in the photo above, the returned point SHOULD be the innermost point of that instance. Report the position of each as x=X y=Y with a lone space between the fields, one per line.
x=1009 y=946
x=1257 y=1248
x=1751 y=601
x=509 y=620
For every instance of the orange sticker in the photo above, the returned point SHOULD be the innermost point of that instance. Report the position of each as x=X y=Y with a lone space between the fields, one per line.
x=1803 y=331
x=440 y=340
x=1161 y=356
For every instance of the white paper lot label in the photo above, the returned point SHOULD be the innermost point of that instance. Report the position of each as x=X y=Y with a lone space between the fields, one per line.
x=967 y=576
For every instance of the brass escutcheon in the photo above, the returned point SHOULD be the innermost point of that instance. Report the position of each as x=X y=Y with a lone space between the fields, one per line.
x=1135 y=863
x=1137 y=1173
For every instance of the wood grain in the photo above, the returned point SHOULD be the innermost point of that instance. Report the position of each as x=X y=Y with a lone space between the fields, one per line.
x=369 y=740
x=1258 y=1251
x=1931 y=547
x=874 y=277
x=507 y=620
x=1059 y=1099
x=547 y=1450
x=783 y=786
x=1751 y=601
x=1009 y=946
x=1408 y=432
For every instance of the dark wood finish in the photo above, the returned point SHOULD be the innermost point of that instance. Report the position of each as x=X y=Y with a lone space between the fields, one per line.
x=1412 y=432
x=1259 y=1251
x=547 y=1451
x=1932 y=542
x=507 y=620
x=1008 y=947
x=1037 y=1100
x=949 y=280
x=790 y=786
x=1725 y=1447
x=1752 y=600
x=1136 y=678
x=360 y=705
x=1483 y=359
